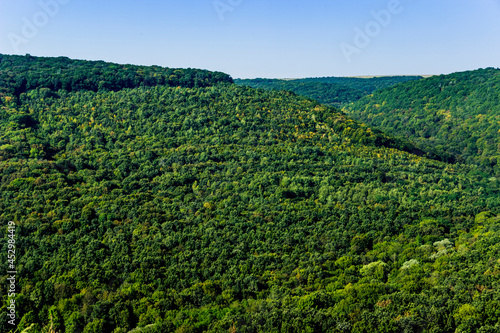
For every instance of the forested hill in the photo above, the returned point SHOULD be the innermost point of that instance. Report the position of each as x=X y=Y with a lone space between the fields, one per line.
x=366 y=85
x=455 y=117
x=326 y=93
x=19 y=74
x=333 y=91
x=231 y=209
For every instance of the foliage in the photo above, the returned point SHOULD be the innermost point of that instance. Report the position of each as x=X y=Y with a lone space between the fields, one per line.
x=226 y=208
x=333 y=91
x=453 y=117
x=19 y=74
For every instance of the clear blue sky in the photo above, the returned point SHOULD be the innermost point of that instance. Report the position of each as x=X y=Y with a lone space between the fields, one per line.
x=257 y=38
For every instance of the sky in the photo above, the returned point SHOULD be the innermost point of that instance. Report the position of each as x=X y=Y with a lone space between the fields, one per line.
x=262 y=38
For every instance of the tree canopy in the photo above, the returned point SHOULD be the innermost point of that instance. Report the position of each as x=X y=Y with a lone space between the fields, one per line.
x=215 y=208
x=20 y=74
x=333 y=91
x=453 y=117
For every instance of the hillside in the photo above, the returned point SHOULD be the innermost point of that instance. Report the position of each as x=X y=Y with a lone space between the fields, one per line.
x=333 y=91
x=455 y=117
x=227 y=208
x=366 y=85
x=327 y=93
x=19 y=74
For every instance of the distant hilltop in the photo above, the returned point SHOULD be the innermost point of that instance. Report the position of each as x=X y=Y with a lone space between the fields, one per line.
x=333 y=91
x=354 y=77
x=374 y=76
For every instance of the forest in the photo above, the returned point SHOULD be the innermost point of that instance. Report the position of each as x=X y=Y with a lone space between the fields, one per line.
x=22 y=74
x=179 y=201
x=332 y=91
x=454 y=117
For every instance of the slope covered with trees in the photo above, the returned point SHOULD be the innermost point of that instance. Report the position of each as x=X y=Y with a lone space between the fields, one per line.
x=226 y=208
x=455 y=117
x=19 y=74
x=326 y=93
x=367 y=85
x=333 y=91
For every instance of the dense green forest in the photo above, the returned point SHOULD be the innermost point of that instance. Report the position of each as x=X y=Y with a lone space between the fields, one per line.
x=333 y=91
x=223 y=208
x=327 y=93
x=79 y=75
x=454 y=117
